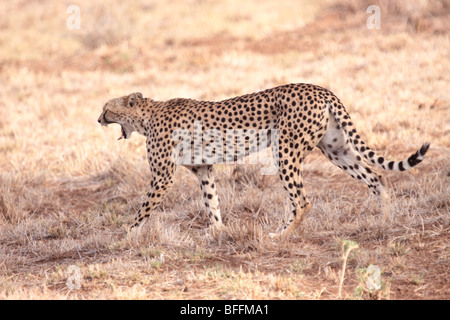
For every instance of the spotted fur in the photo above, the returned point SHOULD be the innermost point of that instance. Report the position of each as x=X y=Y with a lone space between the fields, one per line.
x=306 y=116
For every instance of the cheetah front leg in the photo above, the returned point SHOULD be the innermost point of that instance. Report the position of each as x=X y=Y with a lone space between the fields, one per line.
x=208 y=187
x=161 y=181
x=159 y=187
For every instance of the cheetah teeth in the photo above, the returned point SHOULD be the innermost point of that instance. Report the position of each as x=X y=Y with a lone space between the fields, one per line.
x=123 y=134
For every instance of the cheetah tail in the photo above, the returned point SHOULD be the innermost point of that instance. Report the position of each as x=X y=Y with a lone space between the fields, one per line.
x=343 y=118
x=406 y=164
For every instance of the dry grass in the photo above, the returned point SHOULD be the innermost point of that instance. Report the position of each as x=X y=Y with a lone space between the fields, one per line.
x=67 y=187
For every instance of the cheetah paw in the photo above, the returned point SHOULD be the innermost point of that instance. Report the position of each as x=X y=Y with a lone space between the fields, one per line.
x=274 y=235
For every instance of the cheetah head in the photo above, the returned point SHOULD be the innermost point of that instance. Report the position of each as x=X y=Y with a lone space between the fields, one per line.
x=122 y=110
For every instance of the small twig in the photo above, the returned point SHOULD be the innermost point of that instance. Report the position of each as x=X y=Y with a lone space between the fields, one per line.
x=347 y=246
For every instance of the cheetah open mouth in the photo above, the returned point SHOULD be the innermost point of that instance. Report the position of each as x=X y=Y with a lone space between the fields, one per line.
x=124 y=133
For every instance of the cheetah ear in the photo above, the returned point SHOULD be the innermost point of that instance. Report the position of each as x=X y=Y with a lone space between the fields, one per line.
x=132 y=98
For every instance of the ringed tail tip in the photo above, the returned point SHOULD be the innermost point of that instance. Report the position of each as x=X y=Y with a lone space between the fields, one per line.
x=424 y=148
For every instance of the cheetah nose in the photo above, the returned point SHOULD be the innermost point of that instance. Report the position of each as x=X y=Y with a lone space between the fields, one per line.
x=99 y=121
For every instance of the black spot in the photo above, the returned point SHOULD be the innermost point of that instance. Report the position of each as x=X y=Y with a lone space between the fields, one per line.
x=391 y=165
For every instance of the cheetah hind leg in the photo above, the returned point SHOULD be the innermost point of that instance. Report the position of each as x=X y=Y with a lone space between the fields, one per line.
x=335 y=146
x=293 y=223
x=290 y=172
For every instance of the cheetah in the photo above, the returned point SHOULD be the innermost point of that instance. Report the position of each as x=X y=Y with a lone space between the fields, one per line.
x=304 y=116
